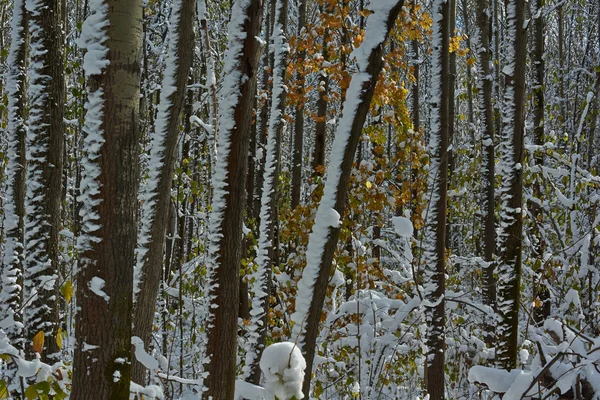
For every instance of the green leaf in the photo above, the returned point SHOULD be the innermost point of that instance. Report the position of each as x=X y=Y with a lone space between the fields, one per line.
x=31 y=393
x=3 y=390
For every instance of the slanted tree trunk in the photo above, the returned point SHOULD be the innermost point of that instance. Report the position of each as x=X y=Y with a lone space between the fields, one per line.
x=512 y=150
x=299 y=115
x=112 y=35
x=265 y=258
x=229 y=181
x=323 y=239
x=156 y=192
x=434 y=251
x=12 y=268
x=486 y=127
x=45 y=146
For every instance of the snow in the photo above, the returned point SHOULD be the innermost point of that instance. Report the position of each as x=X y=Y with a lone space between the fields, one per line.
x=283 y=367
x=96 y=285
x=403 y=226
x=327 y=217
x=140 y=354
x=92 y=38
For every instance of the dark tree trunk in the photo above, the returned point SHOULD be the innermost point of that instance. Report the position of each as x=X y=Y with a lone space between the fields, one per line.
x=308 y=324
x=509 y=263
x=105 y=278
x=229 y=197
x=157 y=195
x=44 y=171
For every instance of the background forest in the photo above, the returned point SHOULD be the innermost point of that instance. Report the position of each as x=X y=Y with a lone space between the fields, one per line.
x=406 y=191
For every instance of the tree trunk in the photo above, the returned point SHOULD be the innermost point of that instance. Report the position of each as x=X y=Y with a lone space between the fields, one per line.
x=299 y=114
x=156 y=193
x=322 y=104
x=109 y=201
x=12 y=268
x=229 y=181
x=486 y=127
x=434 y=250
x=512 y=150
x=45 y=144
x=323 y=239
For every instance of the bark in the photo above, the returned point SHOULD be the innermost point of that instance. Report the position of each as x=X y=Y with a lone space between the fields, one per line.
x=324 y=237
x=488 y=161
x=322 y=104
x=229 y=180
x=509 y=264
x=451 y=115
x=299 y=114
x=434 y=250
x=267 y=245
x=45 y=143
x=12 y=268
x=543 y=312
x=103 y=356
x=157 y=192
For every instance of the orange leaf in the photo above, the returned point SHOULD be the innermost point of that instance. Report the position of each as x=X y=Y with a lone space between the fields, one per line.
x=38 y=342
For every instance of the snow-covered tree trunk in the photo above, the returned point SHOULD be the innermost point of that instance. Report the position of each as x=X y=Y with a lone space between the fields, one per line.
x=112 y=36
x=229 y=182
x=323 y=239
x=45 y=147
x=261 y=279
x=12 y=266
x=511 y=192
x=156 y=191
x=298 y=142
x=486 y=127
x=434 y=237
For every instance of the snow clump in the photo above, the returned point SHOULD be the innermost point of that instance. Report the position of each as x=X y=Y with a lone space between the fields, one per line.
x=283 y=367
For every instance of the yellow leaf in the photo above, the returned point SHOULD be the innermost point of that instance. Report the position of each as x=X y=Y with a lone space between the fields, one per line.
x=59 y=338
x=369 y=184
x=38 y=342
x=3 y=390
x=67 y=291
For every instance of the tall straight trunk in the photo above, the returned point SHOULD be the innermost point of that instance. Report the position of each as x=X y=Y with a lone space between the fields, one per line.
x=12 y=267
x=434 y=250
x=415 y=115
x=543 y=312
x=299 y=115
x=156 y=192
x=229 y=181
x=112 y=35
x=265 y=258
x=264 y=111
x=322 y=102
x=486 y=127
x=45 y=147
x=323 y=239
x=512 y=150
x=451 y=114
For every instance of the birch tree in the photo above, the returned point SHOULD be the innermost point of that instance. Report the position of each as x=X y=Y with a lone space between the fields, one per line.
x=156 y=191
x=112 y=37
x=323 y=239
x=511 y=192
x=45 y=146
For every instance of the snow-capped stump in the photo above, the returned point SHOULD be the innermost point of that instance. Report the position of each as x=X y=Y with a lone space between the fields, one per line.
x=283 y=366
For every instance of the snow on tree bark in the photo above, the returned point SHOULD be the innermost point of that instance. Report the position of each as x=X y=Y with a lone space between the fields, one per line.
x=155 y=193
x=434 y=237
x=12 y=266
x=229 y=183
x=323 y=239
x=511 y=192
x=112 y=36
x=45 y=147
x=260 y=280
